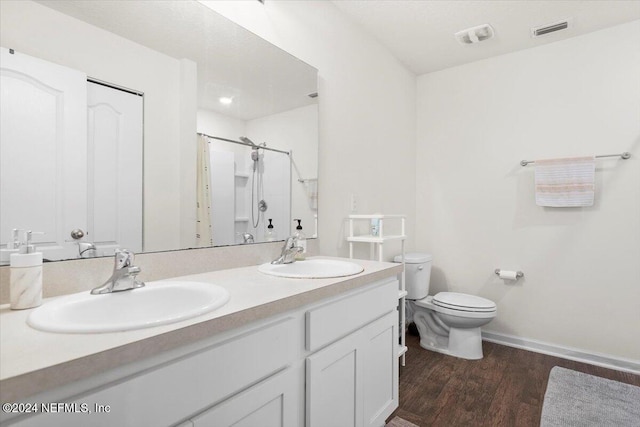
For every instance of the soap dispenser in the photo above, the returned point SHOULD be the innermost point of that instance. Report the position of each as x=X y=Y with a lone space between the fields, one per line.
x=301 y=241
x=270 y=235
x=12 y=247
x=25 y=289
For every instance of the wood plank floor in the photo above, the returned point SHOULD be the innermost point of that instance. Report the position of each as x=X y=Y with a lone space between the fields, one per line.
x=506 y=388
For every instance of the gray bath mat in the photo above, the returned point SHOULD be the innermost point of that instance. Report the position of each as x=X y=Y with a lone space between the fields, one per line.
x=577 y=399
x=400 y=422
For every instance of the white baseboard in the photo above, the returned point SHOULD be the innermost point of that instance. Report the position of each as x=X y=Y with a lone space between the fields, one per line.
x=604 y=360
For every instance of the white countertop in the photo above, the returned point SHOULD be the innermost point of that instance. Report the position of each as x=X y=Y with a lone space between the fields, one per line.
x=33 y=361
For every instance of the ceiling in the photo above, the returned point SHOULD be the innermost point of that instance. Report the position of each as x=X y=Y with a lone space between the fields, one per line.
x=420 y=33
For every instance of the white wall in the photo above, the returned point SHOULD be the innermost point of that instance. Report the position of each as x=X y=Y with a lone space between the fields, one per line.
x=39 y=31
x=366 y=109
x=216 y=124
x=188 y=93
x=476 y=203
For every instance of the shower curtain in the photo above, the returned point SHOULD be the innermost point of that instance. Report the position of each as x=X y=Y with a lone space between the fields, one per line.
x=204 y=235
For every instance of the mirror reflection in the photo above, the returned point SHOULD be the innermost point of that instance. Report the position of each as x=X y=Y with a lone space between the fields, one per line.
x=152 y=126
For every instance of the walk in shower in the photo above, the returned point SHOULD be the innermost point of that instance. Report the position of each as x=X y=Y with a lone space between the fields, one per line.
x=250 y=184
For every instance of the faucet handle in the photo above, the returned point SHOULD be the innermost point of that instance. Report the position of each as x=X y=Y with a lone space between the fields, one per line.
x=290 y=243
x=123 y=258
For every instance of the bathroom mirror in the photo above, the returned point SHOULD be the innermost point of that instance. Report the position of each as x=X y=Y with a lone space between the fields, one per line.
x=198 y=83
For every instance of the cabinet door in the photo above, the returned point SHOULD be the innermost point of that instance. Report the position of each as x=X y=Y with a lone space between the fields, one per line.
x=354 y=382
x=380 y=369
x=334 y=385
x=271 y=403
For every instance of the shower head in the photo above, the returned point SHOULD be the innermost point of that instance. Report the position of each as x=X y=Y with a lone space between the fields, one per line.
x=247 y=141
x=255 y=156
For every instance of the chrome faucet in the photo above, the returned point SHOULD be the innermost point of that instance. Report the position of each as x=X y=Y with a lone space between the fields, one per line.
x=247 y=237
x=87 y=248
x=123 y=277
x=289 y=251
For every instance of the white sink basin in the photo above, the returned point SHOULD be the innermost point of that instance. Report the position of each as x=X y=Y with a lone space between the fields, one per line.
x=158 y=303
x=312 y=269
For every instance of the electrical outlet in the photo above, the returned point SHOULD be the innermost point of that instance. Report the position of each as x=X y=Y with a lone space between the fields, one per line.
x=353 y=203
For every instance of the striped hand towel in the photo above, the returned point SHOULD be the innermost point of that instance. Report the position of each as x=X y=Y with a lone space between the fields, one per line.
x=565 y=182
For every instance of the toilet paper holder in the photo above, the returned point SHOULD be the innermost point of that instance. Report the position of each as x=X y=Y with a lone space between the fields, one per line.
x=519 y=274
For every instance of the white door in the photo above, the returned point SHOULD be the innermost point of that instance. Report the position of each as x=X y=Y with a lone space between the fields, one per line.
x=114 y=159
x=43 y=128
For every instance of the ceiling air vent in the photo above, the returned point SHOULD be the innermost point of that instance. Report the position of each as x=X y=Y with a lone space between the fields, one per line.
x=474 y=34
x=549 y=28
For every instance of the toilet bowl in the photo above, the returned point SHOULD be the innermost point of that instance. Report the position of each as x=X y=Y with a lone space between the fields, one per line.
x=448 y=322
x=447 y=326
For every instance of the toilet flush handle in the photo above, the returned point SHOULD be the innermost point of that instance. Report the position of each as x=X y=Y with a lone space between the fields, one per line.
x=421 y=267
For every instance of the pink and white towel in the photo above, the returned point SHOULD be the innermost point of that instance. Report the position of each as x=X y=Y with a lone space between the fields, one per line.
x=565 y=182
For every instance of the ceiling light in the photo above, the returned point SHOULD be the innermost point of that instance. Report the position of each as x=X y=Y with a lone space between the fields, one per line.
x=225 y=100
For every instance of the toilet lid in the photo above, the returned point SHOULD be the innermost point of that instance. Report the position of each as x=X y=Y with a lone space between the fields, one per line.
x=465 y=302
x=414 y=258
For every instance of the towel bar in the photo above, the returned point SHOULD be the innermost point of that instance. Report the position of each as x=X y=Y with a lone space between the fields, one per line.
x=624 y=156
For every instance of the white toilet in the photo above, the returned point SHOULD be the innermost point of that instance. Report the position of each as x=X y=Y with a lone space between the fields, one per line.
x=448 y=322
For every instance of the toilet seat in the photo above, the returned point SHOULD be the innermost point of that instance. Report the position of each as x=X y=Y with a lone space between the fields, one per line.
x=469 y=313
x=463 y=302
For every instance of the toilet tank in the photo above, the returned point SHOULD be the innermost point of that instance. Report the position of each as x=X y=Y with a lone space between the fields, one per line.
x=417 y=274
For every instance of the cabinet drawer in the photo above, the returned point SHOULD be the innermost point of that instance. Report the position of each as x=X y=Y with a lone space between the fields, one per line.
x=178 y=389
x=334 y=320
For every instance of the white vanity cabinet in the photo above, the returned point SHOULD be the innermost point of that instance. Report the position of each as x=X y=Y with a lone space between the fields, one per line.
x=192 y=380
x=326 y=364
